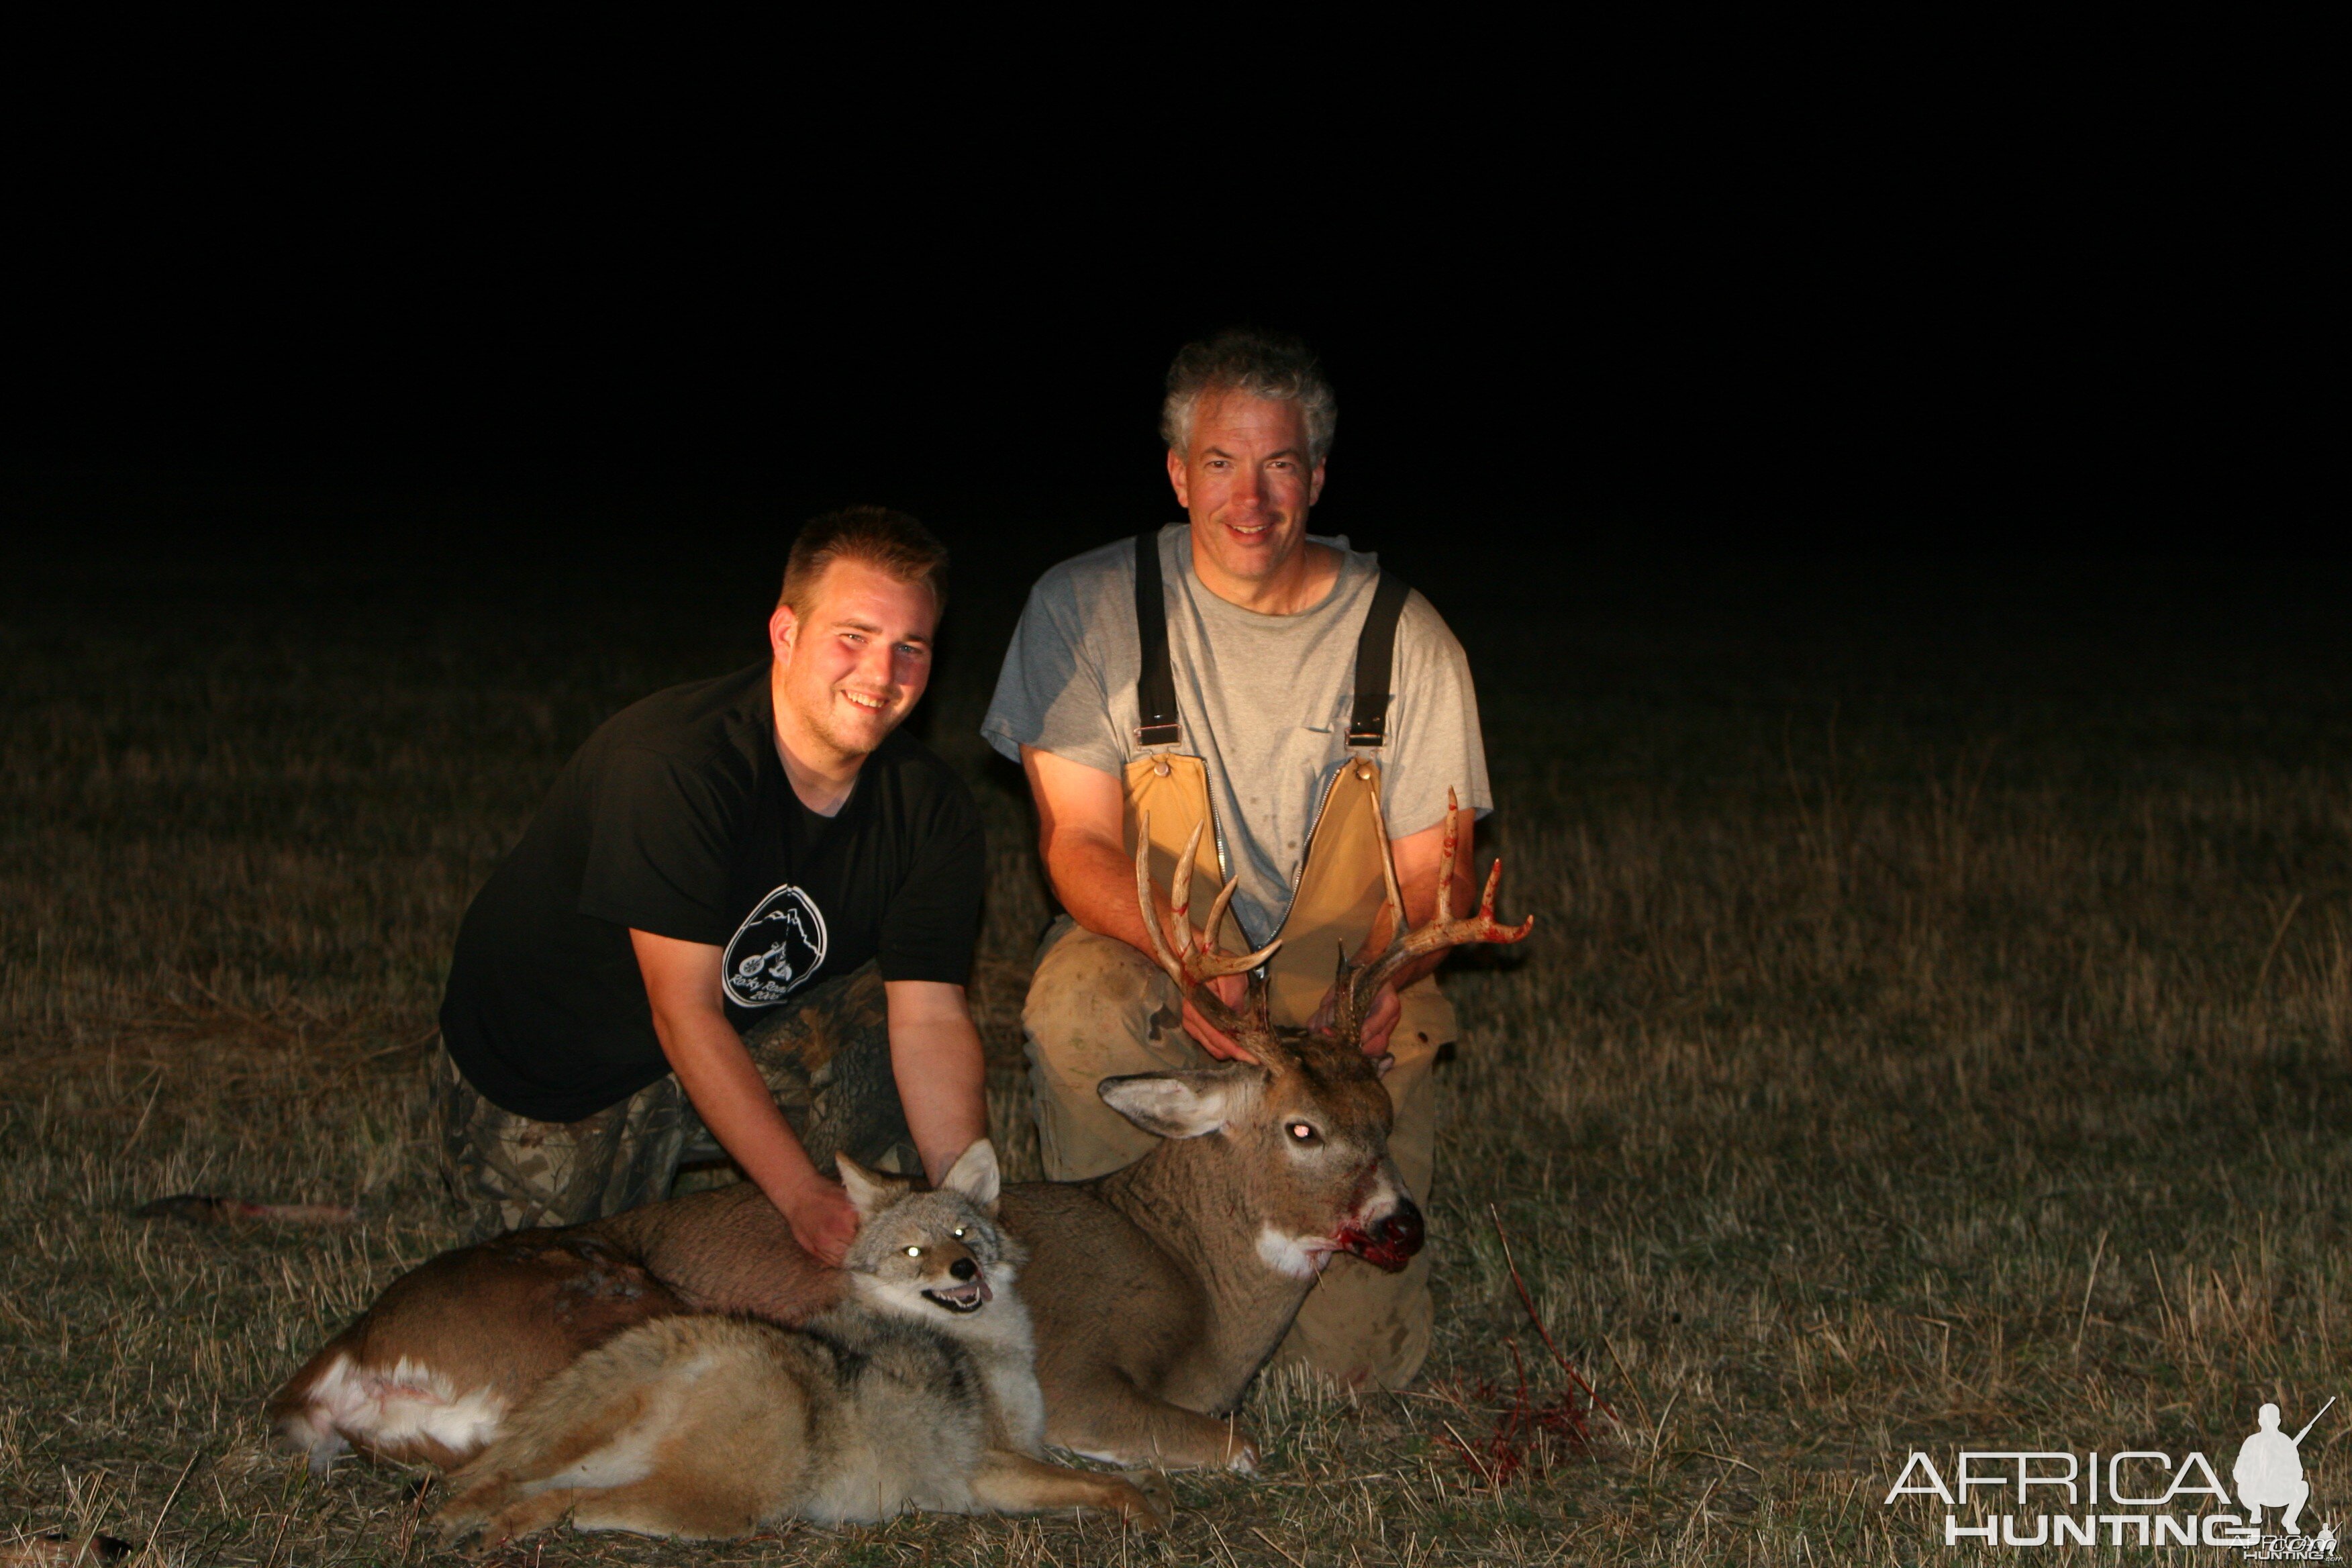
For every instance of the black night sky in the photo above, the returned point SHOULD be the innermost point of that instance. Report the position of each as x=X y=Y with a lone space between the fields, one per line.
x=1606 y=302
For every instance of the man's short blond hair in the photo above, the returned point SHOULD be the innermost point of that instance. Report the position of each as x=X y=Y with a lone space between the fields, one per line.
x=889 y=542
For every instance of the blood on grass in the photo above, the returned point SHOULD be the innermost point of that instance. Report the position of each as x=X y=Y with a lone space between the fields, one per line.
x=1529 y=1435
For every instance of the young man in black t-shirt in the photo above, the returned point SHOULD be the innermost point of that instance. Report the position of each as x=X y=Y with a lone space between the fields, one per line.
x=735 y=888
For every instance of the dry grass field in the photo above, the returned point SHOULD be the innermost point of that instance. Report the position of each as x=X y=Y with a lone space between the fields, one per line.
x=1937 y=1033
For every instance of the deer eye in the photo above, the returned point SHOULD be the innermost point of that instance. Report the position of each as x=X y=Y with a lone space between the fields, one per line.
x=914 y=1252
x=1302 y=1132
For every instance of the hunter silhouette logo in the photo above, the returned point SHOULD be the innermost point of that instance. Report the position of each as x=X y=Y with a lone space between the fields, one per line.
x=2134 y=1498
x=2269 y=1474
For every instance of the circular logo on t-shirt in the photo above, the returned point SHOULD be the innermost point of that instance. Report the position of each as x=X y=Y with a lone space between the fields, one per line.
x=775 y=950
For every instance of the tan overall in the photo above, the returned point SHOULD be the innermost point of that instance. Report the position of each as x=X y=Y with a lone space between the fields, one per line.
x=1098 y=1008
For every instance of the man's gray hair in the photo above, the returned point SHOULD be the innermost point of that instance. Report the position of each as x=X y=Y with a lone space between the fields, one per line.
x=1263 y=365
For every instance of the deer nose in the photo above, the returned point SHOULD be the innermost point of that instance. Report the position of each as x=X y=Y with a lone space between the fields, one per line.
x=965 y=1268
x=1402 y=1229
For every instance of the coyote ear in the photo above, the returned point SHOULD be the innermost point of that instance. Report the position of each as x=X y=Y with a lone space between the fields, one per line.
x=870 y=1192
x=1184 y=1103
x=976 y=1176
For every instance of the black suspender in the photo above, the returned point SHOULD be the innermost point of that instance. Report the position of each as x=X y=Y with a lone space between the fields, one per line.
x=1367 y=724
x=1155 y=687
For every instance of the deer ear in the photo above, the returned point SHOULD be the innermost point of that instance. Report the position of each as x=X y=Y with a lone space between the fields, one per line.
x=976 y=1176
x=871 y=1192
x=1184 y=1103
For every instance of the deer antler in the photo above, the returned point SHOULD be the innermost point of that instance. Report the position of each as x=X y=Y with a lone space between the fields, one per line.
x=1362 y=982
x=1192 y=966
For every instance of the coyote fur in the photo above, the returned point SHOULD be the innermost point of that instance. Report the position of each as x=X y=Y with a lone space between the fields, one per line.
x=919 y=1391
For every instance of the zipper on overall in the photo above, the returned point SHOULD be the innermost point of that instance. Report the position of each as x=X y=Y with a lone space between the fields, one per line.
x=1216 y=828
x=1298 y=872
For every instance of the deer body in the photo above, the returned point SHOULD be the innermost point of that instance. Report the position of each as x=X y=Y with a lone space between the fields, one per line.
x=1156 y=1292
x=430 y=1373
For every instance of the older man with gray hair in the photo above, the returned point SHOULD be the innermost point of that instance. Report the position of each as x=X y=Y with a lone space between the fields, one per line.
x=1278 y=687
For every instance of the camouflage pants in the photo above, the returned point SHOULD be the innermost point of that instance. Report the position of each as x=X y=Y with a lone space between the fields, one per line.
x=825 y=1056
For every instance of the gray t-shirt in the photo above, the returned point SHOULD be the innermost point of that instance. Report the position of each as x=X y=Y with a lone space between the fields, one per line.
x=1264 y=701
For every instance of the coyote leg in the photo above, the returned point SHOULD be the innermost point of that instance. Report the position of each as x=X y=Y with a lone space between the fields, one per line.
x=672 y=1502
x=1014 y=1483
x=487 y=1490
x=526 y=1516
x=473 y=1505
x=685 y=1506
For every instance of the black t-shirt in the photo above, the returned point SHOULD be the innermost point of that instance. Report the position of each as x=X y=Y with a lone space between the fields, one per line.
x=676 y=818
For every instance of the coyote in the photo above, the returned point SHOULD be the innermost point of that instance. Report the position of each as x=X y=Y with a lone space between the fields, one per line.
x=919 y=1391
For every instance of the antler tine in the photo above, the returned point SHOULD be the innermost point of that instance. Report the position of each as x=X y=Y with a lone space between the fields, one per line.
x=1215 y=962
x=1205 y=960
x=1217 y=911
x=1488 y=929
x=1346 y=1000
x=1442 y=932
x=1150 y=910
x=1481 y=927
x=1191 y=963
x=1180 y=894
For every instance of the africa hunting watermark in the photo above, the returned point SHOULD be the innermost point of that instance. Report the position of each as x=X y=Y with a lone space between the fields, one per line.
x=2136 y=1498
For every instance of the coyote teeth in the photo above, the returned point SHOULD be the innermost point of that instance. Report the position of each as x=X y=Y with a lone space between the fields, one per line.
x=961 y=1298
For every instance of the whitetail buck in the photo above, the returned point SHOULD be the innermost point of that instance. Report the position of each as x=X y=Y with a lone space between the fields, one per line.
x=1158 y=1290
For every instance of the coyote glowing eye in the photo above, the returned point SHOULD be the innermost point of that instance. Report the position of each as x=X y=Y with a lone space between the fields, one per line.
x=914 y=1252
x=956 y=1233
x=1302 y=1133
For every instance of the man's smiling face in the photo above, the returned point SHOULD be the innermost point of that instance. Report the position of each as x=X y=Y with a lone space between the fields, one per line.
x=1247 y=481
x=855 y=664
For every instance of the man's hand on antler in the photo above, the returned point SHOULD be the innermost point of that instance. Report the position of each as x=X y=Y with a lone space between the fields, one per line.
x=1230 y=989
x=1379 y=1023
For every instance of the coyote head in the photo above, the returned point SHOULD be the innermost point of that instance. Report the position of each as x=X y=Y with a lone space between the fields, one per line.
x=920 y=1254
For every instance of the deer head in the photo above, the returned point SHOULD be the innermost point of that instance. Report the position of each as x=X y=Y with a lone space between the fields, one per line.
x=1309 y=1117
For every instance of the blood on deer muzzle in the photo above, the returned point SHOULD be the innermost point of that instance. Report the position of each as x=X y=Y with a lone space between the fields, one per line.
x=1391 y=1241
